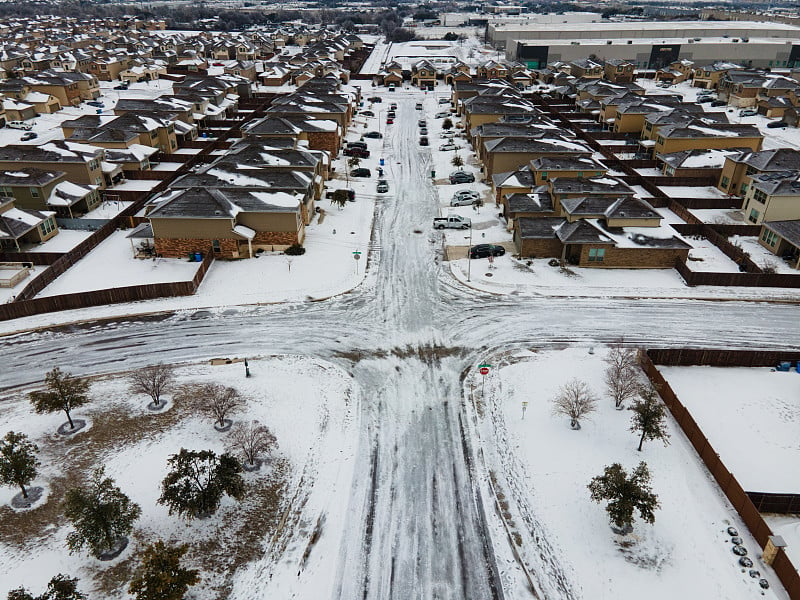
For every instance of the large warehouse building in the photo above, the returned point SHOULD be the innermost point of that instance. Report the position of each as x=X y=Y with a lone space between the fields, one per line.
x=651 y=45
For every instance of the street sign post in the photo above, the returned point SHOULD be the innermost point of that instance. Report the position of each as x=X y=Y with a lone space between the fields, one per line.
x=357 y=257
x=524 y=408
x=483 y=369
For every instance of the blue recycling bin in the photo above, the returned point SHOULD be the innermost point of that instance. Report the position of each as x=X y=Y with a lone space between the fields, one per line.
x=381 y=162
x=198 y=257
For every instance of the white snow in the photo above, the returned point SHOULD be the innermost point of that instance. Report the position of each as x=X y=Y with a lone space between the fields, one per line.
x=757 y=437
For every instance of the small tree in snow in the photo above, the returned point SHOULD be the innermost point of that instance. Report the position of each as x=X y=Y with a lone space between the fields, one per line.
x=197 y=481
x=251 y=440
x=64 y=392
x=18 y=461
x=101 y=514
x=574 y=400
x=339 y=198
x=447 y=124
x=649 y=417
x=218 y=401
x=60 y=587
x=152 y=381
x=625 y=495
x=457 y=161
x=621 y=376
x=160 y=576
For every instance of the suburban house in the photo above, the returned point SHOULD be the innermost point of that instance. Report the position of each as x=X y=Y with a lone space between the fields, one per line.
x=709 y=76
x=231 y=223
x=673 y=138
x=20 y=227
x=695 y=163
x=782 y=238
x=617 y=70
x=545 y=168
x=320 y=134
x=534 y=204
x=677 y=71
x=81 y=163
x=520 y=181
x=741 y=88
x=738 y=168
x=586 y=68
x=508 y=154
x=772 y=197
x=423 y=74
x=40 y=190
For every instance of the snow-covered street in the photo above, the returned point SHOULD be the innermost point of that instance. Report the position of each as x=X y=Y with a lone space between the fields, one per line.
x=412 y=517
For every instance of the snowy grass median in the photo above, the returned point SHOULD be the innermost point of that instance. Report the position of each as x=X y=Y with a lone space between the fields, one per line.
x=542 y=468
x=309 y=406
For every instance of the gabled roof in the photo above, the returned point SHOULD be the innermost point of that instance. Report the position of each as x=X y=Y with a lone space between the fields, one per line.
x=582 y=232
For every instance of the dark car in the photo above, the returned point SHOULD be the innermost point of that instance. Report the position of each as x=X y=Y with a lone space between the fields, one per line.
x=461 y=177
x=362 y=145
x=122 y=86
x=374 y=134
x=776 y=124
x=422 y=123
x=360 y=173
x=359 y=152
x=96 y=103
x=391 y=114
x=28 y=136
x=423 y=131
x=486 y=250
x=367 y=113
x=393 y=106
x=423 y=141
x=705 y=100
x=719 y=103
x=375 y=99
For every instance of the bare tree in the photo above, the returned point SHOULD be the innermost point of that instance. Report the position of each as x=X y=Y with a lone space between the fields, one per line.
x=574 y=400
x=621 y=376
x=250 y=440
x=218 y=401
x=152 y=381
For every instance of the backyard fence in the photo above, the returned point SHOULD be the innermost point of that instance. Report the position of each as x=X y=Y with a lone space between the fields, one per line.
x=739 y=499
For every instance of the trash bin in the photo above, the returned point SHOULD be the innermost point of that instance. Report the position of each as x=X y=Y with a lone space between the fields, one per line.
x=381 y=162
x=433 y=174
x=198 y=257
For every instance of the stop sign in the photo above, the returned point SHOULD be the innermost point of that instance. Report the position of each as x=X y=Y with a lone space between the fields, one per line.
x=484 y=371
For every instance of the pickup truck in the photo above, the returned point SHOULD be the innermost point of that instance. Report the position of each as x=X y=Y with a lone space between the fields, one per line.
x=452 y=222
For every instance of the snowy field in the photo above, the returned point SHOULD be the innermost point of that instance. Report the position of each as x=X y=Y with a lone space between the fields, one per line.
x=308 y=405
x=544 y=466
x=757 y=438
x=470 y=51
x=763 y=257
x=719 y=216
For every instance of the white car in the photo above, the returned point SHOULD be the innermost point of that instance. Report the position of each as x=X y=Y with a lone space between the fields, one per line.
x=444 y=100
x=19 y=125
x=448 y=146
x=448 y=134
x=441 y=115
x=465 y=198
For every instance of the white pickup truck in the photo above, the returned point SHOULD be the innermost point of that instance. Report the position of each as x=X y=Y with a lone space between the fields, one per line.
x=452 y=222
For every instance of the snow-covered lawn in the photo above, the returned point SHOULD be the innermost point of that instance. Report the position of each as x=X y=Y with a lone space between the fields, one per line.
x=136 y=185
x=540 y=463
x=64 y=241
x=310 y=407
x=107 y=209
x=751 y=416
x=705 y=256
x=111 y=264
x=763 y=257
x=167 y=166
x=683 y=191
x=720 y=216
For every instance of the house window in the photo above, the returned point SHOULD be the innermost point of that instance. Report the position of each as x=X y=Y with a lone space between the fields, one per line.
x=760 y=196
x=597 y=254
x=5 y=192
x=725 y=182
x=753 y=217
x=34 y=192
x=47 y=226
x=660 y=141
x=744 y=188
x=544 y=175
x=215 y=246
x=580 y=173
x=769 y=237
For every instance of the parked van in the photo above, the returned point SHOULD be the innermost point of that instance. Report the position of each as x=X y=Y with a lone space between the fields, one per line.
x=20 y=125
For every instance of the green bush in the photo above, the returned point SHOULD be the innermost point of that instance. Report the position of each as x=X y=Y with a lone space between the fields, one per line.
x=295 y=250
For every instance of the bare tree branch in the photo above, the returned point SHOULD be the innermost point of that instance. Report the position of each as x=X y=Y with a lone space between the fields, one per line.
x=252 y=439
x=152 y=381
x=218 y=401
x=574 y=400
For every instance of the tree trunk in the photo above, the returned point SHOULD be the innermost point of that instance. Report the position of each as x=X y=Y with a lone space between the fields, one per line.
x=71 y=424
x=24 y=491
x=641 y=441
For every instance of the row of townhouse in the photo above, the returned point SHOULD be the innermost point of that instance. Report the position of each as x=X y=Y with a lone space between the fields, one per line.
x=556 y=196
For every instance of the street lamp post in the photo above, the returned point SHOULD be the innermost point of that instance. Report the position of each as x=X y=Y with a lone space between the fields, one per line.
x=469 y=255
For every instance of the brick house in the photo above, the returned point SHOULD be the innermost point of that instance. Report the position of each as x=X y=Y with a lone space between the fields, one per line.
x=40 y=190
x=782 y=238
x=738 y=168
x=20 y=227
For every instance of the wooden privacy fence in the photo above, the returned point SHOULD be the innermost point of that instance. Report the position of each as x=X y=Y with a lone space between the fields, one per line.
x=35 y=306
x=693 y=278
x=739 y=499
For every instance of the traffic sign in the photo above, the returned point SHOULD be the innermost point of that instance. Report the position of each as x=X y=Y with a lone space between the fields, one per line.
x=485 y=365
x=484 y=371
x=357 y=255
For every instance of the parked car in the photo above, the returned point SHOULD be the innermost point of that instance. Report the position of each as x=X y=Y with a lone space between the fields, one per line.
x=718 y=103
x=442 y=115
x=444 y=100
x=423 y=141
x=377 y=99
x=705 y=99
x=367 y=113
x=122 y=86
x=422 y=123
x=96 y=103
x=465 y=199
x=486 y=250
x=359 y=152
x=19 y=125
x=461 y=177
x=418 y=106
x=374 y=135
x=30 y=135
x=393 y=106
x=776 y=124
x=383 y=186
x=360 y=172
x=452 y=222
x=362 y=145
x=748 y=112
x=389 y=121
x=391 y=114
x=448 y=146
x=448 y=134
x=423 y=131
